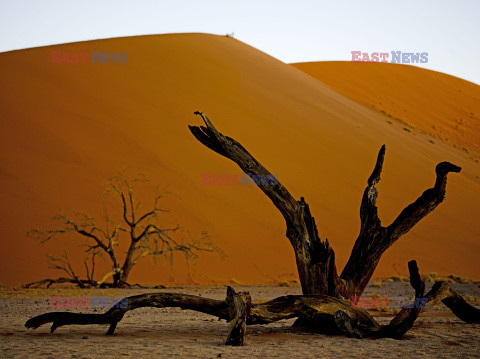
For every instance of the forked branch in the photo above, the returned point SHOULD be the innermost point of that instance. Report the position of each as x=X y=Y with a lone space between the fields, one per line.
x=315 y=258
x=374 y=239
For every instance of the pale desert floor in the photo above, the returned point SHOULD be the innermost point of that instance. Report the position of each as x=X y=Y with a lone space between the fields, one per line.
x=171 y=332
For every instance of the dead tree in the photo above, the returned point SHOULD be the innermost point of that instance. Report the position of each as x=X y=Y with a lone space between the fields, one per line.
x=142 y=233
x=324 y=306
x=316 y=258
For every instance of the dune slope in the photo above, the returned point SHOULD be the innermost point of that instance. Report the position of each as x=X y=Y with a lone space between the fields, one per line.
x=443 y=106
x=67 y=127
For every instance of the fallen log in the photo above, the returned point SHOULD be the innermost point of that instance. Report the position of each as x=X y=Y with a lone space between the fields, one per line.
x=325 y=314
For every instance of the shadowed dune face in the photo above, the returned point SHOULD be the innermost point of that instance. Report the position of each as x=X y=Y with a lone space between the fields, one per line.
x=65 y=128
x=443 y=106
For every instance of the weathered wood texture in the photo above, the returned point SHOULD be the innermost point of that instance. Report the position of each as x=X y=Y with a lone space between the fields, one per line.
x=326 y=314
x=316 y=258
x=324 y=307
x=239 y=306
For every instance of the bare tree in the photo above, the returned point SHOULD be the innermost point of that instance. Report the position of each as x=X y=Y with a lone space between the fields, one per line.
x=138 y=228
x=326 y=305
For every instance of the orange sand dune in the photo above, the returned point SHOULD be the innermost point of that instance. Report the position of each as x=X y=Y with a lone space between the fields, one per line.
x=66 y=127
x=443 y=106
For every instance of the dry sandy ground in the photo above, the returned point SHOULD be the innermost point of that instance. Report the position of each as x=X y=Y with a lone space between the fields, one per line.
x=171 y=332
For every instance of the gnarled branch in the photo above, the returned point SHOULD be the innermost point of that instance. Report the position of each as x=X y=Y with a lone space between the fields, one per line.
x=316 y=258
x=374 y=239
x=326 y=314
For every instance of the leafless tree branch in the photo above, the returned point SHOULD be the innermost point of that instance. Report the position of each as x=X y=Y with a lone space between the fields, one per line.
x=143 y=235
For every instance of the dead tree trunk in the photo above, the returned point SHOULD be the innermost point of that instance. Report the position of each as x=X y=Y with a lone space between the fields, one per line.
x=323 y=307
x=315 y=258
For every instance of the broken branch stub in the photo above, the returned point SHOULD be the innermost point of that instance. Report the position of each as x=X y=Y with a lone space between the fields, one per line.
x=239 y=306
